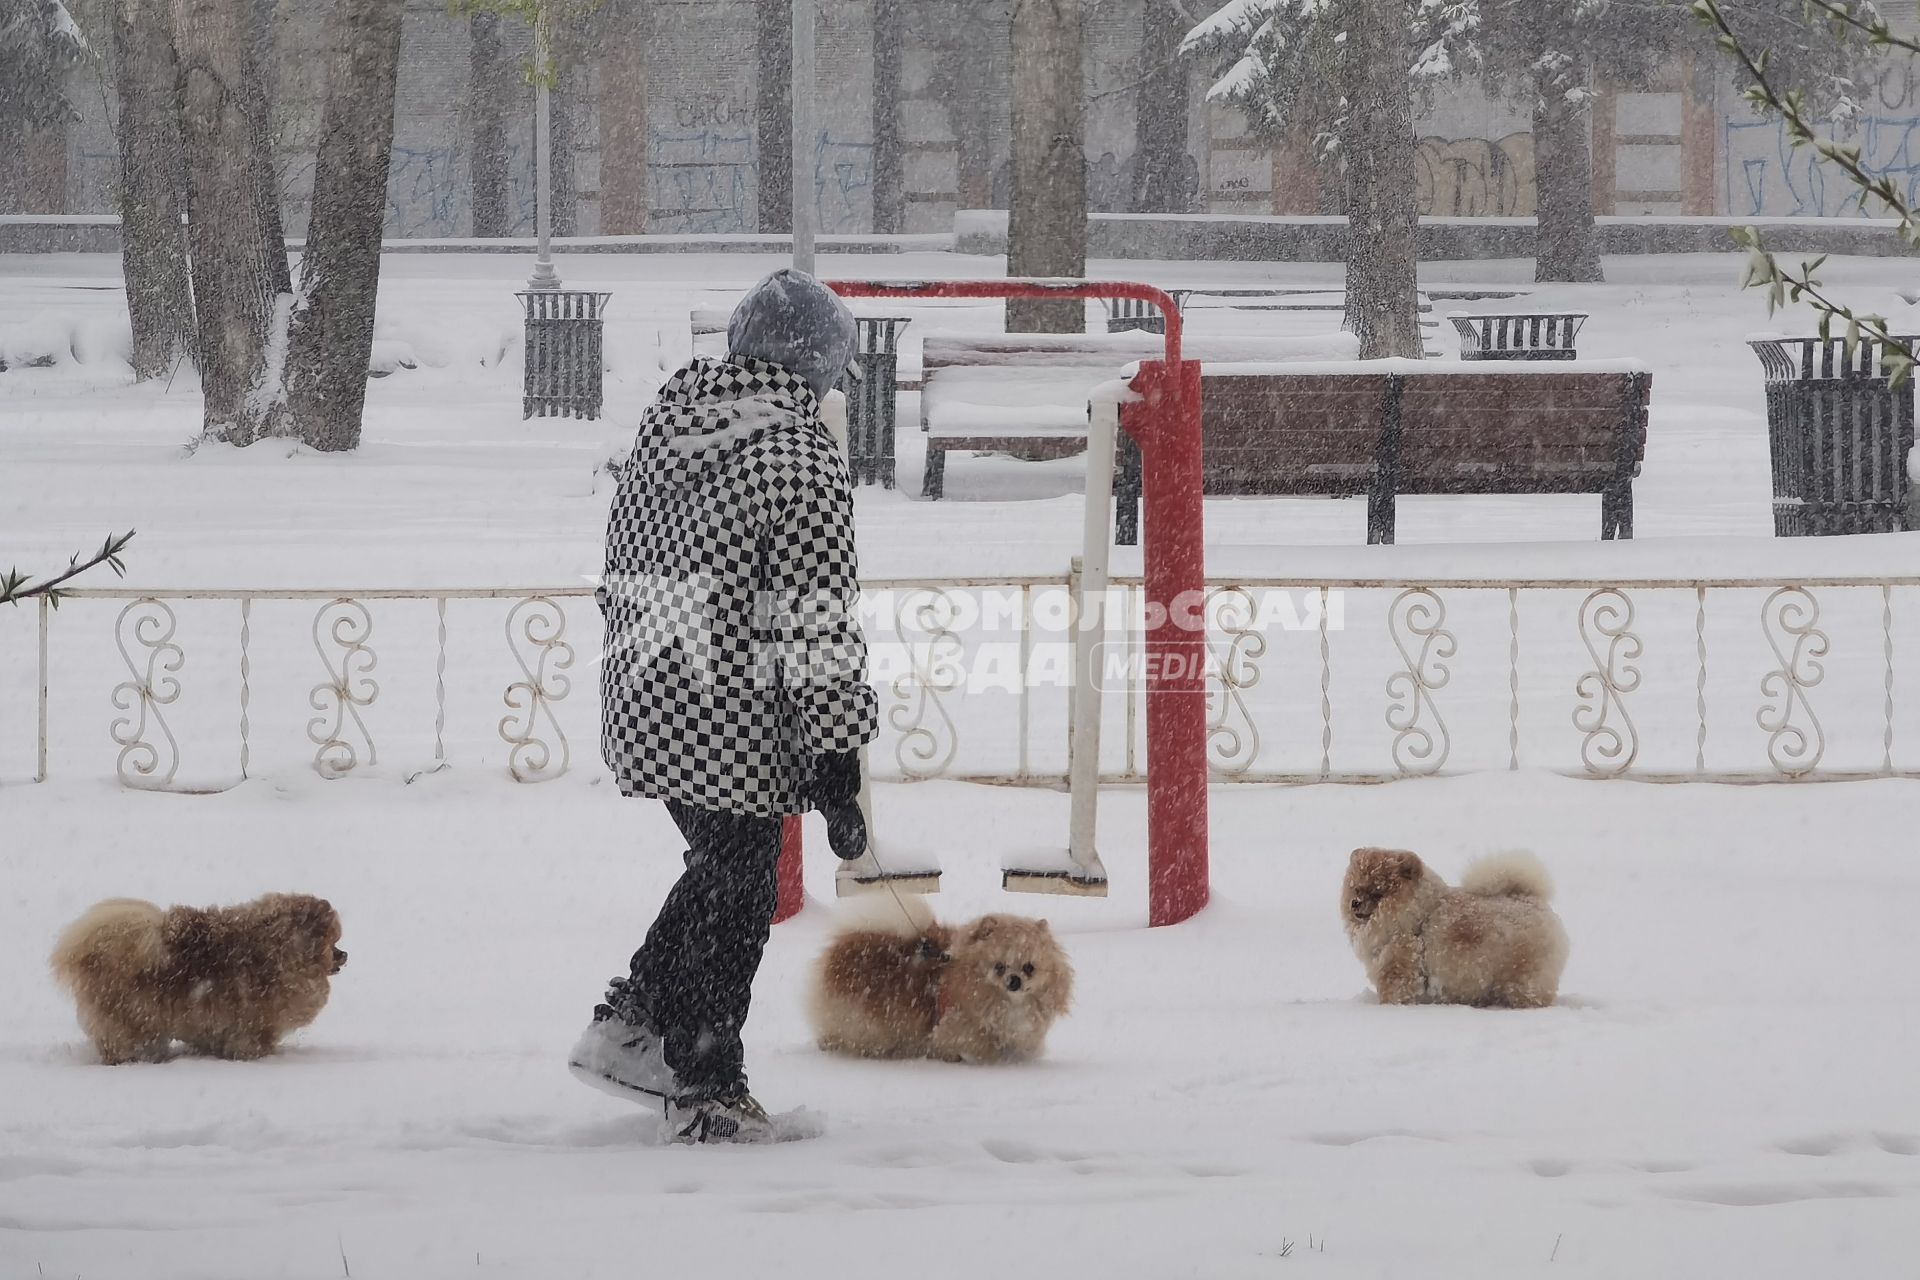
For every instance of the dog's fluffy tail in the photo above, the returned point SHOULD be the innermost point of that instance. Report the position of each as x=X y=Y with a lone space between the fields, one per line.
x=1508 y=875
x=125 y=931
x=880 y=911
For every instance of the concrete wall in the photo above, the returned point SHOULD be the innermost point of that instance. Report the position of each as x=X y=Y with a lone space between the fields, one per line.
x=676 y=149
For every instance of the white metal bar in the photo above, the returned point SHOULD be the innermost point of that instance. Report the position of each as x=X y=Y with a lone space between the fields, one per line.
x=1700 y=680
x=1026 y=685
x=1015 y=580
x=1886 y=632
x=1513 y=678
x=40 y=751
x=246 y=684
x=440 y=686
x=1089 y=630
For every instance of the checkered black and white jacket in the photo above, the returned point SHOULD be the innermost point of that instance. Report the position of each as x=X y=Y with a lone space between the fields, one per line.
x=733 y=650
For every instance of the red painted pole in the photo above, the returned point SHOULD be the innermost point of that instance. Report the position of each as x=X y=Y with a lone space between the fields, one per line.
x=1174 y=555
x=788 y=872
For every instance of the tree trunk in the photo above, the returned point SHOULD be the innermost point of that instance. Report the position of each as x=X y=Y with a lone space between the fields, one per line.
x=1567 y=246
x=1160 y=113
x=260 y=111
x=1383 y=298
x=773 y=121
x=489 y=94
x=239 y=255
x=623 y=119
x=889 y=182
x=1047 y=221
x=153 y=253
x=332 y=336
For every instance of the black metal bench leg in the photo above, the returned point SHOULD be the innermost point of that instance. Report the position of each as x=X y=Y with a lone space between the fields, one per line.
x=1616 y=513
x=1380 y=518
x=935 y=485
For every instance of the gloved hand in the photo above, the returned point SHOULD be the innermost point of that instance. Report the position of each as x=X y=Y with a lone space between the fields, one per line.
x=833 y=788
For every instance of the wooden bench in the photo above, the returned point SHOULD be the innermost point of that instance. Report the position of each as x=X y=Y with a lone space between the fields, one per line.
x=1025 y=395
x=1389 y=427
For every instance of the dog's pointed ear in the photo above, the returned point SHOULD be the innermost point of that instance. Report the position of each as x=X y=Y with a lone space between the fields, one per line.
x=1044 y=926
x=982 y=929
x=1407 y=866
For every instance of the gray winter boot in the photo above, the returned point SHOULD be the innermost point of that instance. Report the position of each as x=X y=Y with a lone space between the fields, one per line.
x=732 y=1117
x=624 y=1058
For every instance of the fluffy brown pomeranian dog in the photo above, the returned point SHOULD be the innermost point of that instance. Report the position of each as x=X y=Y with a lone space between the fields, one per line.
x=1492 y=941
x=893 y=983
x=225 y=981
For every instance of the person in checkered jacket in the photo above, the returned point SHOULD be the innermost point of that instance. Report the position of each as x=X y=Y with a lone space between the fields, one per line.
x=734 y=688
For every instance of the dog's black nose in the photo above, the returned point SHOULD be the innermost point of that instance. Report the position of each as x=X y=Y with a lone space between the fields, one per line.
x=1013 y=983
x=339 y=959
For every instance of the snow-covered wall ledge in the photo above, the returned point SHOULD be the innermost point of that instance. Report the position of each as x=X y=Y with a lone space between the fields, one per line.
x=1246 y=238
x=100 y=233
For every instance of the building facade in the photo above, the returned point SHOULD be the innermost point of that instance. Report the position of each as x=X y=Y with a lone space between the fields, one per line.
x=657 y=127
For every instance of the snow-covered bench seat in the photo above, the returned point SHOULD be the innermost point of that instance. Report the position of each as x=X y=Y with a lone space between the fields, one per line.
x=1026 y=394
x=1387 y=427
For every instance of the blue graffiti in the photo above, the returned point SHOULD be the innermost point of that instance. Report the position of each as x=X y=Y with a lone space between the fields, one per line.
x=1767 y=175
x=429 y=192
x=702 y=182
x=841 y=171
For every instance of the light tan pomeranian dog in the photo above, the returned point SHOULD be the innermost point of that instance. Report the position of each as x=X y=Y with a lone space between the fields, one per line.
x=894 y=983
x=225 y=981
x=1492 y=941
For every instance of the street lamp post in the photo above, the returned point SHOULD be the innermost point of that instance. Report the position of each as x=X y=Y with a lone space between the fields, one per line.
x=544 y=276
x=805 y=208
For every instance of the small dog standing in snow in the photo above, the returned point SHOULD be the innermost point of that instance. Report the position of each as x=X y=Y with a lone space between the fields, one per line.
x=893 y=983
x=1492 y=941
x=227 y=981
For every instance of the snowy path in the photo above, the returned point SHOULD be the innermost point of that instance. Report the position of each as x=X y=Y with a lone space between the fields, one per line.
x=1725 y=1088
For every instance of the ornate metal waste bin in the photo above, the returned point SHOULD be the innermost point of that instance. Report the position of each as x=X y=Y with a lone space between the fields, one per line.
x=1519 y=336
x=872 y=399
x=1840 y=435
x=565 y=353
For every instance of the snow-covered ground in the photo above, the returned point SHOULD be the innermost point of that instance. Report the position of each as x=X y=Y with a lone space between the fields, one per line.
x=1724 y=1089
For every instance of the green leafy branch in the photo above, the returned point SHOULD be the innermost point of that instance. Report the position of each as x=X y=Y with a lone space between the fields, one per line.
x=15 y=586
x=1844 y=16
x=1784 y=285
x=559 y=15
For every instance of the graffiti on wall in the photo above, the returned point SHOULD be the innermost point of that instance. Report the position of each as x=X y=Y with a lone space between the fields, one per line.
x=842 y=174
x=701 y=182
x=1768 y=177
x=430 y=195
x=1476 y=177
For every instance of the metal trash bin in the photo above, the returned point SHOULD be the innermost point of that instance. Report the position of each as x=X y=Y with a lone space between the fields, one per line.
x=1128 y=315
x=565 y=355
x=1840 y=435
x=1527 y=335
x=873 y=400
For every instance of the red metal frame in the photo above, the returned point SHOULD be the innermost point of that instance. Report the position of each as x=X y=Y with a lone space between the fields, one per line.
x=1166 y=425
x=793 y=887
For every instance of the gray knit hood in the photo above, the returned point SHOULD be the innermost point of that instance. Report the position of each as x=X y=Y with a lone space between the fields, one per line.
x=792 y=320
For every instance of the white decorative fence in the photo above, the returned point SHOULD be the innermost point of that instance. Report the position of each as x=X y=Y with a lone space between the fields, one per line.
x=1736 y=679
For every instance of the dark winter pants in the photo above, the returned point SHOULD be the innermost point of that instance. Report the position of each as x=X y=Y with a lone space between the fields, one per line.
x=695 y=971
